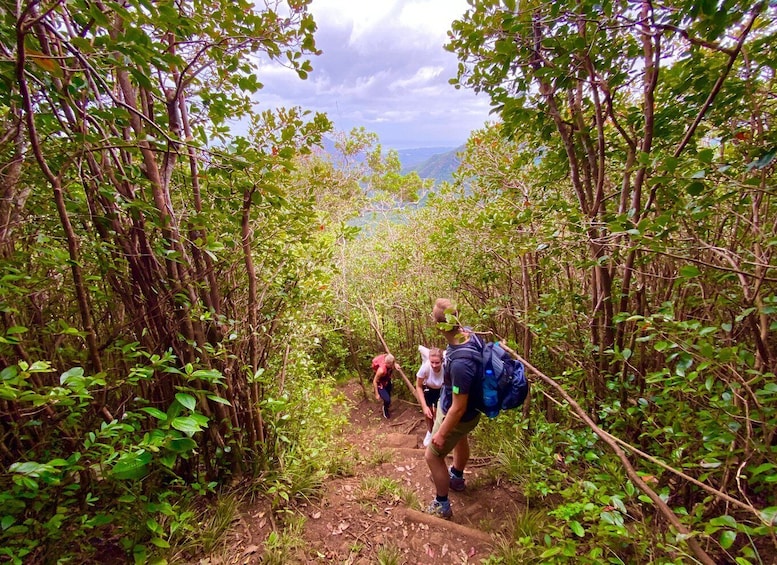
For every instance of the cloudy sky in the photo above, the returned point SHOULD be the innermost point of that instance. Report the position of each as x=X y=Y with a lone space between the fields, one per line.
x=383 y=67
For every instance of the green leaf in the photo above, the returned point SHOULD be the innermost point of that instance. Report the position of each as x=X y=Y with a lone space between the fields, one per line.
x=156 y=413
x=159 y=542
x=727 y=539
x=168 y=459
x=769 y=515
x=186 y=400
x=695 y=188
x=210 y=375
x=577 y=528
x=40 y=367
x=555 y=550
x=132 y=466
x=706 y=156
x=689 y=271
x=7 y=522
x=761 y=468
x=139 y=554
x=182 y=444
x=30 y=468
x=725 y=521
x=218 y=399
x=744 y=314
x=612 y=518
x=201 y=419
x=618 y=503
x=186 y=425
x=766 y=159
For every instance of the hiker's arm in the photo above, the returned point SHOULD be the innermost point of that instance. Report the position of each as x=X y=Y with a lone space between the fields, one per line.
x=419 y=387
x=376 y=378
x=452 y=417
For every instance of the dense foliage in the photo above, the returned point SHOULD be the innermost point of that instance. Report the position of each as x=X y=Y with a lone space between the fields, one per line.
x=172 y=295
x=156 y=326
x=617 y=227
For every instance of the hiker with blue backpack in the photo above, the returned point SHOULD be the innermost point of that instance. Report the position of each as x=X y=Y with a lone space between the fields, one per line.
x=478 y=378
x=457 y=410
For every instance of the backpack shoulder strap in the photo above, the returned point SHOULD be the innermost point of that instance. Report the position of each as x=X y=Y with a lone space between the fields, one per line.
x=488 y=355
x=473 y=353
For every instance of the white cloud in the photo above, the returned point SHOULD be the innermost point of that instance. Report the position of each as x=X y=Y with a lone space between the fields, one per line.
x=422 y=77
x=383 y=67
x=432 y=18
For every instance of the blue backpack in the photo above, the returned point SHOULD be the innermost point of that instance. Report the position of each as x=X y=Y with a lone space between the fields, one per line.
x=504 y=383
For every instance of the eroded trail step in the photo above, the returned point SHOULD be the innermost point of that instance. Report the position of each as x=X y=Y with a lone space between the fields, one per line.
x=375 y=513
x=379 y=508
x=476 y=507
x=450 y=528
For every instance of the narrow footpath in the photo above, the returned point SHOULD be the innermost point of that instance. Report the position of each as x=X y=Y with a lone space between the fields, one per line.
x=376 y=515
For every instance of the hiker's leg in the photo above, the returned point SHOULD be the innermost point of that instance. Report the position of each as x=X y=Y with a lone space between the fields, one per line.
x=431 y=396
x=439 y=472
x=435 y=459
x=384 y=396
x=461 y=453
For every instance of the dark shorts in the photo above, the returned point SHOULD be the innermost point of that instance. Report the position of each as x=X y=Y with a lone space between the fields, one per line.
x=431 y=396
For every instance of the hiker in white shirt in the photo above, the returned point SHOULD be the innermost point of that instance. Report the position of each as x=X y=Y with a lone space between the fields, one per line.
x=429 y=379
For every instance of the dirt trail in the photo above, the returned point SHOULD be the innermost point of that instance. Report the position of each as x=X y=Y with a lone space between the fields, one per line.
x=357 y=517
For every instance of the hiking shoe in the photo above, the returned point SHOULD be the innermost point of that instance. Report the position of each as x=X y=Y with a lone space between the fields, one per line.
x=457 y=483
x=427 y=438
x=440 y=509
x=386 y=412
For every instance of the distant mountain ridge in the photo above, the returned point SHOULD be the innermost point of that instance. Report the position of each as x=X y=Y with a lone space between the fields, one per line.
x=416 y=156
x=439 y=165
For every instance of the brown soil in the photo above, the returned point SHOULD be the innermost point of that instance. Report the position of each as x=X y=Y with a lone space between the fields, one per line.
x=350 y=523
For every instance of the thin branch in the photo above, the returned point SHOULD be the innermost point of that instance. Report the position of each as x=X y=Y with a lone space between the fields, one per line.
x=721 y=79
x=374 y=323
